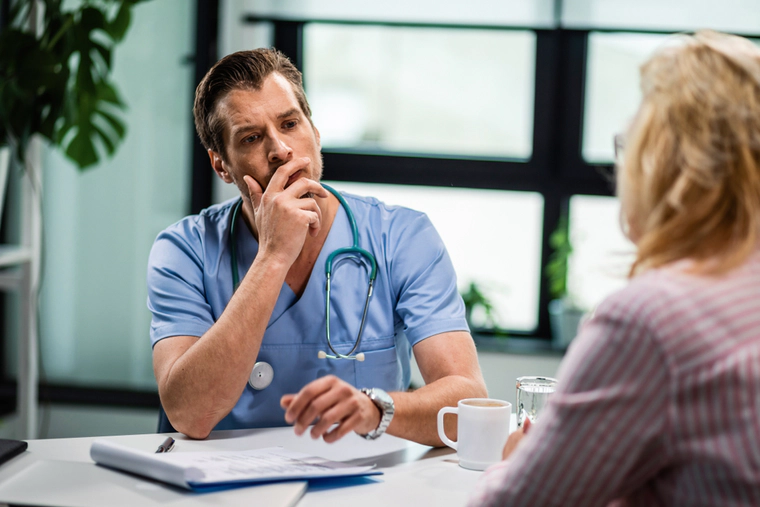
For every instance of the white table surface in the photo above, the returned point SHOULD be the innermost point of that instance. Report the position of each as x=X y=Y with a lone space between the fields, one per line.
x=414 y=474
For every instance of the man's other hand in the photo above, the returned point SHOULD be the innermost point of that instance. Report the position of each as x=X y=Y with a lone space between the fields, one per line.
x=328 y=401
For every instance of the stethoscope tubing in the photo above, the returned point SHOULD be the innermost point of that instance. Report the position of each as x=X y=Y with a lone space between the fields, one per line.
x=353 y=249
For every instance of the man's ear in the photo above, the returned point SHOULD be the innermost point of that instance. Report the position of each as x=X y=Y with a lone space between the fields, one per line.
x=219 y=166
x=319 y=138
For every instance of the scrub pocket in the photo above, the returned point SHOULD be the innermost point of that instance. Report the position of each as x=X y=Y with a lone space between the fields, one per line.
x=380 y=368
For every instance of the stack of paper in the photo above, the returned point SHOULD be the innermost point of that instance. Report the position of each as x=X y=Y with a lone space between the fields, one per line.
x=202 y=470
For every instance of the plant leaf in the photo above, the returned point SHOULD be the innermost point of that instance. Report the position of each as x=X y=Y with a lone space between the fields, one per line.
x=81 y=150
x=104 y=52
x=118 y=27
x=56 y=84
x=92 y=19
x=107 y=93
x=116 y=124
x=110 y=146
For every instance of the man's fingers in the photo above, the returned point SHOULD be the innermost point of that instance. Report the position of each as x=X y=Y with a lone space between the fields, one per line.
x=315 y=221
x=319 y=406
x=306 y=187
x=254 y=190
x=286 y=400
x=343 y=428
x=283 y=173
x=526 y=425
x=327 y=401
x=304 y=397
x=334 y=410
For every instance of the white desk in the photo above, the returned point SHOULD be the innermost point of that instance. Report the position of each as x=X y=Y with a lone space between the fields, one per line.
x=414 y=474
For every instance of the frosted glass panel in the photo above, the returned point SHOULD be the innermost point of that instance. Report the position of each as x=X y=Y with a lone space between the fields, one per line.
x=602 y=255
x=737 y=16
x=234 y=35
x=493 y=238
x=422 y=90
x=100 y=224
x=534 y=13
x=613 y=92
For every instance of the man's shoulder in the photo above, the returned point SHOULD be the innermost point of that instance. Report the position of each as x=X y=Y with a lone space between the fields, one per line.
x=210 y=218
x=372 y=206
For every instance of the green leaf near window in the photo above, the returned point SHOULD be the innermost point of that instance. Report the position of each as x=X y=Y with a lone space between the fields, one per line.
x=556 y=268
x=57 y=84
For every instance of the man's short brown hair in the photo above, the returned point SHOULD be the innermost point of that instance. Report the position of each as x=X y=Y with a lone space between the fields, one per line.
x=244 y=70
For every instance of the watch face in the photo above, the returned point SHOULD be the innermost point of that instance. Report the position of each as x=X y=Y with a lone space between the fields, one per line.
x=382 y=399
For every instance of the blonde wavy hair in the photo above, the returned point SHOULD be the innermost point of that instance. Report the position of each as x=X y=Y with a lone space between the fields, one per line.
x=689 y=184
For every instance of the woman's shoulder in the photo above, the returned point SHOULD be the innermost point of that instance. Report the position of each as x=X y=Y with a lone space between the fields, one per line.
x=675 y=293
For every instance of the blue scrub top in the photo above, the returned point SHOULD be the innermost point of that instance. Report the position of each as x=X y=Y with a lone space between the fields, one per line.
x=415 y=297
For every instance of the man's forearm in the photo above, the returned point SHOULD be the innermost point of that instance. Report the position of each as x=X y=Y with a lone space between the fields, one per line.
x=201 y=381
x=416 y=413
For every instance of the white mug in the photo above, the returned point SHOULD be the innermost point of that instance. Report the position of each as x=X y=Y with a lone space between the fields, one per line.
x=482 y=431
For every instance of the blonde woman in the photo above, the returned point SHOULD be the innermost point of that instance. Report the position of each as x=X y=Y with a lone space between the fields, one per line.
x=659 y=398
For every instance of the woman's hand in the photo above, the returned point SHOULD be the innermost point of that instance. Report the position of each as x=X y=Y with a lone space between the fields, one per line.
x=514 y=439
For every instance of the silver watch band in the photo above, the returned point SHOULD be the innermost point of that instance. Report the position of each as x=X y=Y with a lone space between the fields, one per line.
x=384 y=402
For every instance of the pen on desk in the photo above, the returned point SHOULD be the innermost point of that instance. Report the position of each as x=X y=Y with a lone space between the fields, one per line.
x=166 y=446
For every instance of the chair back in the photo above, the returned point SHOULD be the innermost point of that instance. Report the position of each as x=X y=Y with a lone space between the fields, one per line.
x=164 y=426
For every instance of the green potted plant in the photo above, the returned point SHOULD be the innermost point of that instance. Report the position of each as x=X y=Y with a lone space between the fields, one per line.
x=55 y=66
x=564 y=313
x=475 y=300
x=55 y=85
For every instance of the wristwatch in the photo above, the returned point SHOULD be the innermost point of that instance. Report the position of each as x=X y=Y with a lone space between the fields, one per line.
x=385 y=403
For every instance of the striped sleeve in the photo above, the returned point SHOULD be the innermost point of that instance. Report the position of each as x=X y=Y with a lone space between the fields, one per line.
x=603 y=432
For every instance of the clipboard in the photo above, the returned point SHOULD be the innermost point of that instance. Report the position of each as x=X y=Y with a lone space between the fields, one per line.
x=204 y=471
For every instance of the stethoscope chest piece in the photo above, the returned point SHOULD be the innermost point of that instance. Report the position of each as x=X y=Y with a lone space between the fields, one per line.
x=261 y=375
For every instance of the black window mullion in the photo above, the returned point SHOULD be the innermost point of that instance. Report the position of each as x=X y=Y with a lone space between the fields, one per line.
x=547 y=133
x=206 y=55
x=572 y=85
x=556 y=168
x=288 y=38
x=430 y=171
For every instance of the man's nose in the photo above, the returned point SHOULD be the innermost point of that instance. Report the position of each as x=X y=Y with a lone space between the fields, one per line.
x=279 y=150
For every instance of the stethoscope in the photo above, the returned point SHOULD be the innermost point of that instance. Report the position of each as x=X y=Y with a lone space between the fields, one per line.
x=262 y=373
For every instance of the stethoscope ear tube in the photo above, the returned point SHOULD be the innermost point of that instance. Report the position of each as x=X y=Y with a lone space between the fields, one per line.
x=324 y=355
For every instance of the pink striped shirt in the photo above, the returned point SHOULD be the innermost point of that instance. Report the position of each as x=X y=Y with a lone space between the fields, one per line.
x=658 y=402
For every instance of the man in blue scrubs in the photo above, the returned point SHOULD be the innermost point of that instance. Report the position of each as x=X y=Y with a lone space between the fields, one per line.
x=229 y=358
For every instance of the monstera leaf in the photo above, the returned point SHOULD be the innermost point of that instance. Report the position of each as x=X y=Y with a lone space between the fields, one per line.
x=57 y=83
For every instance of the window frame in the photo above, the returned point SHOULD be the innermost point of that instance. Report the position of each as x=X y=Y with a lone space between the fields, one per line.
x=555 y=169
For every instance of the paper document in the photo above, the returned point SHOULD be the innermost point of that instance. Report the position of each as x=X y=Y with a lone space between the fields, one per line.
x=199 y=470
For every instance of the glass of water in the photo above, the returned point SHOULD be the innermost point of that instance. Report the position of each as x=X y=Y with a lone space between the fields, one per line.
x=532 y=394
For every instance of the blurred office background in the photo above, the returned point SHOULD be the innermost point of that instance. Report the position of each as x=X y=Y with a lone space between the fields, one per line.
x=495 y=117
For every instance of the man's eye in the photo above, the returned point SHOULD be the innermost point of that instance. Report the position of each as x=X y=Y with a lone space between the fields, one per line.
x=250 y=139
x=290 y=124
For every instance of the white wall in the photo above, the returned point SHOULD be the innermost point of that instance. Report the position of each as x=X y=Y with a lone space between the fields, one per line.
x=99 y=224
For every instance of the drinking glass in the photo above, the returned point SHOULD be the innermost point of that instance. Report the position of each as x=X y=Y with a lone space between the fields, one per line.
x=532 y=394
